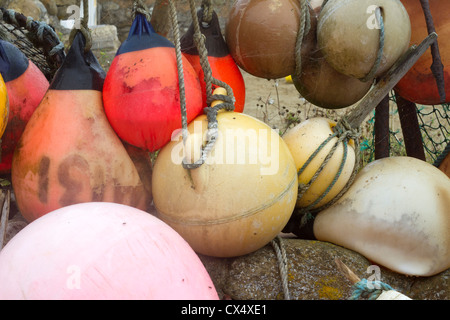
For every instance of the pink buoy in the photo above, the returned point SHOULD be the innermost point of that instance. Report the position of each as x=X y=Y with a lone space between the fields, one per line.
x=101 y=251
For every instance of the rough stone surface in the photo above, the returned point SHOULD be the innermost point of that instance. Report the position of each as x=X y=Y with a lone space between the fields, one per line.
x=312 y=275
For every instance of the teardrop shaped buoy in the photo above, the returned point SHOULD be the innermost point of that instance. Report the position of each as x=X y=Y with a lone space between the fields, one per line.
x=239 y=199
x=303 y=141
x=141 y=93
x=262 y=36
x=223 y=67
x=69 y=153
x=322 y=85
x=419 y=84
x=396 y=214
x=26 y=86
x=350 y=35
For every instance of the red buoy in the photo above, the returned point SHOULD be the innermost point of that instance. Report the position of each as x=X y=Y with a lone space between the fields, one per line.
x=419 y=84
x=223 y=66
x=26 y=86
x=141 y=92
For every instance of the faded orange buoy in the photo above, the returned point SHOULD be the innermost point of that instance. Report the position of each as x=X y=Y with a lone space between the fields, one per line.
x=223 y=67
x=141 y=93
x=239 y=199
x=419 y=85
x=68 y=152
x=262 y=36
x=349 y=35
x=26 y=86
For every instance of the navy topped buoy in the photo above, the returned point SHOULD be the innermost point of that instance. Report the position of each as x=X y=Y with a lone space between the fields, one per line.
x=141 y=94
x=10 y=55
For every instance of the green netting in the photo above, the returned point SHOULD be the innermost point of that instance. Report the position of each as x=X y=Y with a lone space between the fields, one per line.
x=434 y=123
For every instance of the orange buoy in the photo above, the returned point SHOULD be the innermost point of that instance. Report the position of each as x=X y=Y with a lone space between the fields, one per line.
x=68 y=152
x=349 y=35
x=419 y=85
x=141 y=93
x=26 y=86
x=239 y=199
x=262 y=36
x=322 y=85
x=223 y=67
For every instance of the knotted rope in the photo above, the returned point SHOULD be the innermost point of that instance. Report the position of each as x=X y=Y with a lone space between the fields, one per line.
x=211 y=112
x=84 y=29
x=280 y=251
x=372 y=292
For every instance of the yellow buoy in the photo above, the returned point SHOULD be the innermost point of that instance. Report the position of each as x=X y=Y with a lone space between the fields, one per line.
x=239 y=199
x=4 y=106
x=303 y=141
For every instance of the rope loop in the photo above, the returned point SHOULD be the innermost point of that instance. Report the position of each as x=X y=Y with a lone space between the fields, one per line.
x=373 y=291
x=139 y=7
x=84 y=29
x=305 y=27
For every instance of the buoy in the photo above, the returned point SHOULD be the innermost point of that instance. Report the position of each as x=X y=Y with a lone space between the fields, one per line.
x=396 y=215
x=349 y=35
x=419 y=85
x=141 y=92
x=101 y=251
x=444 y=166
x=239 y=199
x=4 y=106
x=26 y=86
x=303 y=141
x=262 y=36
x=223 y=67
x=68 y=152
x=321 y=85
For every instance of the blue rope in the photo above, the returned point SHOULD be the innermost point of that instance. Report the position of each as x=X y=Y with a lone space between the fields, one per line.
x=361 y=289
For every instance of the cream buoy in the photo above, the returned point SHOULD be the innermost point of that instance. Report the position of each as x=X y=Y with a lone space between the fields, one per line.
x=396 y=214
x=239 y=199
x=350 y=36
x=303 y=141
x=101 y=251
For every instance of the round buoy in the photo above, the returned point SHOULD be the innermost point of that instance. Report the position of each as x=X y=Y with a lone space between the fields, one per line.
x=322 y=85
x=68 y=152
x=262 y=36
x=239 y=199
x=303 y=141
x=419 y=84
x=223 y=67
x=395 y=214
x=101 y=251
x=141 y=93
x=349 y=35
x=26 y=86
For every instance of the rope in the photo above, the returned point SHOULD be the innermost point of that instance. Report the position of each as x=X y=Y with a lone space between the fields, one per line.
x=280 y=251
x=344 y=133
x=84 y=29
x=40 y=33
x=376 y=66
x=362 y=290
x=139 y=7
x=211 y=112
x=207 y=12
x=305 y=26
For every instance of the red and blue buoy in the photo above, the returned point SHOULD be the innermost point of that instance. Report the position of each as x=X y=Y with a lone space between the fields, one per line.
x=223 y=66
x=141 y=93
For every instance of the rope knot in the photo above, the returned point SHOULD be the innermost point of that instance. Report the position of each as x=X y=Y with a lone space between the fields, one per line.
x=369 y=289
